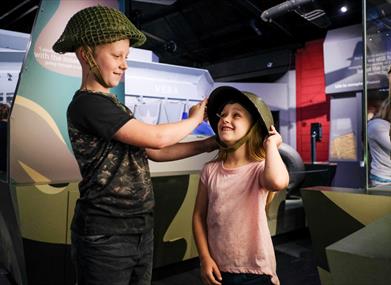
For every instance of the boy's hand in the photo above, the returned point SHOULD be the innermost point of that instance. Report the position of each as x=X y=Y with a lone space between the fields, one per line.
x=198 y=110
x=273 y=138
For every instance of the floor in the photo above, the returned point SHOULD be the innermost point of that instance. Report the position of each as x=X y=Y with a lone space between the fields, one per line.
x=295 y=264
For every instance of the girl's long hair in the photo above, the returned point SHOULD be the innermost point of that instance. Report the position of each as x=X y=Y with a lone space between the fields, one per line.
x=385 y=110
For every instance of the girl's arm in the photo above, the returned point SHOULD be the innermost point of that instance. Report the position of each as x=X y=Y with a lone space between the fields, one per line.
x=275 y=176
x=182 y=150
x=209 y=268
x=383 y=137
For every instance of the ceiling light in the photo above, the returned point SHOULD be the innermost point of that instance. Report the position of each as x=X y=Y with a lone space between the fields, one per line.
x=343 y=9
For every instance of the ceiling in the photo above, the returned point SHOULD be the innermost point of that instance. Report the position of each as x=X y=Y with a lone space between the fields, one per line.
x=206 y=33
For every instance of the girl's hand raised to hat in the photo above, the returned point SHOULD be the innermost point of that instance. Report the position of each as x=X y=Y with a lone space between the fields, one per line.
x=273 y=138
x=198 y=111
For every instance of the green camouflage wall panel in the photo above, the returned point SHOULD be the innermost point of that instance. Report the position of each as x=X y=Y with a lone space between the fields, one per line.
x=39 y=145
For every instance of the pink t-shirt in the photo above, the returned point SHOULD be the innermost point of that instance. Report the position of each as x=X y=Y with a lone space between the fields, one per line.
x=238 y=234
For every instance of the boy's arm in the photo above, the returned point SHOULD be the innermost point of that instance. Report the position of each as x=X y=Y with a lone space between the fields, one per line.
x=275 y=176
x=137 y=133
x=182 y=150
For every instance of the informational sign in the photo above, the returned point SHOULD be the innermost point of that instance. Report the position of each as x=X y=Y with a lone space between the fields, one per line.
x=343 y=60
x=378 y=59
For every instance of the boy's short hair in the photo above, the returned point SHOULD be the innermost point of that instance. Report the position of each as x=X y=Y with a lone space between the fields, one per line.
x=97 y=25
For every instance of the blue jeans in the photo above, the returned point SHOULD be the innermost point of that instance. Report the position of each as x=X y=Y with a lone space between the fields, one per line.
x=245 y=279
x=113 y=259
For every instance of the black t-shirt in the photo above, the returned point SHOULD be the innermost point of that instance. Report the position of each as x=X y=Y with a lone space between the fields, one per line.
x=116 y=194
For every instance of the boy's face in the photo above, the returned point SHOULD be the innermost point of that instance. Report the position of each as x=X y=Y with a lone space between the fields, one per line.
x=234 y=123
x=111 y=59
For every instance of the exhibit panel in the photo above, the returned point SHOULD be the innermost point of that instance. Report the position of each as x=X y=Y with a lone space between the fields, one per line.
x=343 y=74
x=349 y=226
x=13 y=47
x=44 y=179
x=12 y=256
x=377 y=86
x=364 y=256
x=334 y=214
x=42 y=169
x=45 y=198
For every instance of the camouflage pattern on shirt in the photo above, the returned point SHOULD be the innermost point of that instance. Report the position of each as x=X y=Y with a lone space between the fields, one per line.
x=116 y=194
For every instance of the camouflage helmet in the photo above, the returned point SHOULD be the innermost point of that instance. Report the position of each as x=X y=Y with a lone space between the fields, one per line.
x=97 y=25
x=254 y=104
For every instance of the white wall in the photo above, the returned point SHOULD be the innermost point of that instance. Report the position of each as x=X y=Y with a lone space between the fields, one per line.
x=290 y=120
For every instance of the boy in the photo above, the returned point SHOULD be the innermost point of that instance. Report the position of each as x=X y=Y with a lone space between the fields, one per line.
x=112 y=235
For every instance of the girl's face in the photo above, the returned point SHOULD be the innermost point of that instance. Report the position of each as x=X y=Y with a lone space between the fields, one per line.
x=235 y=121
x=111 y=59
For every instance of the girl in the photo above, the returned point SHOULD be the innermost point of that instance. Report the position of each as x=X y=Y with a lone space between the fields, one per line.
x=229 y=219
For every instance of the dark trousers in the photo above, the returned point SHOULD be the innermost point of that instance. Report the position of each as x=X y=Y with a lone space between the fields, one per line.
x=113 y=259
x=245 y=279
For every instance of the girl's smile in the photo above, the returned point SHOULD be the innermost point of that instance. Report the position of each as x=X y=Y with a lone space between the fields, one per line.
x=234 y=123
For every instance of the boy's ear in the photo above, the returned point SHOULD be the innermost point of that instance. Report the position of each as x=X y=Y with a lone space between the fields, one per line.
x=81 y=54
